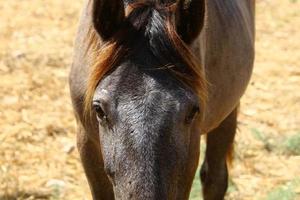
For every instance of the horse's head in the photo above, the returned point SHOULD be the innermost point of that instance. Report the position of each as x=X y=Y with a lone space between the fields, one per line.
x=147 y=91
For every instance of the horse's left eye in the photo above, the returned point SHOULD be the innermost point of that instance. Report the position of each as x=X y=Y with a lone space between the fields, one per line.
x=191 y=115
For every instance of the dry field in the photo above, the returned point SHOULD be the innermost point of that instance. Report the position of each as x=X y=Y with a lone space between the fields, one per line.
x=38 y=158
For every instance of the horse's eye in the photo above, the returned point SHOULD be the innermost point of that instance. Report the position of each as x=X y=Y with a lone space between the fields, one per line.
x=101 y=116
x=195 y=110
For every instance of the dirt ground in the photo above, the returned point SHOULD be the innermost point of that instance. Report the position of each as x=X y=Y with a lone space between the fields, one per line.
x=38 y=157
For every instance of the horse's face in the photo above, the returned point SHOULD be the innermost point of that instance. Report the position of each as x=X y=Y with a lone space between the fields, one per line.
x=146 y=117
x=147 y=133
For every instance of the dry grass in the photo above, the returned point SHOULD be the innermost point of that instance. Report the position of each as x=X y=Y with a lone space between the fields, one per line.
x=37 y=139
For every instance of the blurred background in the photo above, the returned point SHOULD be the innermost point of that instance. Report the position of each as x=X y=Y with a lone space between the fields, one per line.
x=38 y=156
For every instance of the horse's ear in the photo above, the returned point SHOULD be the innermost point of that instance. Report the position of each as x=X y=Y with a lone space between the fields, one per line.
x=190 y=16
x=108 y=16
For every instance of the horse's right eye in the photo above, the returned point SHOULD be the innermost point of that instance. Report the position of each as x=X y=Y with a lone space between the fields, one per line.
x=101 y=116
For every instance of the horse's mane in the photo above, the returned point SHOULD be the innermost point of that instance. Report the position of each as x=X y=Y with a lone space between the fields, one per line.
x=153 y=23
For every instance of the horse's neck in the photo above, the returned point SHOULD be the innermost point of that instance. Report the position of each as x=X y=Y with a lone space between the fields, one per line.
x=231 y=13
x=226 y=47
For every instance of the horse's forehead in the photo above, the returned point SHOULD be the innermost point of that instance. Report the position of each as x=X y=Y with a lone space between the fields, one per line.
x=132 y=81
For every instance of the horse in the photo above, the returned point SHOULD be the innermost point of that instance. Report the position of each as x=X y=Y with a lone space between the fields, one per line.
x=148 y=79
